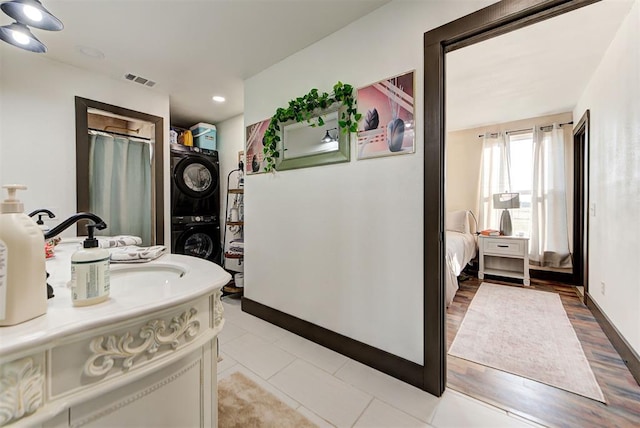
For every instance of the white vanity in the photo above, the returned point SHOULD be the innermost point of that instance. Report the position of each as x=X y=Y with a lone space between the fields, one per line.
x=144 y=358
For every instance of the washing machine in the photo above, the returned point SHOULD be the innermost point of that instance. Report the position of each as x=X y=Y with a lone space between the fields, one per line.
x=195 y=181
x=197 y=236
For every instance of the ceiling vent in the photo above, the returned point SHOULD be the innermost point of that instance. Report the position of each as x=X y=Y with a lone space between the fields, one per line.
x=139 y=79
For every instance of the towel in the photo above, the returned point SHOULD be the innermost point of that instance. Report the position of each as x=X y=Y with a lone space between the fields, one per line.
x=236 y=247
x=135 y=254
x=119 y=241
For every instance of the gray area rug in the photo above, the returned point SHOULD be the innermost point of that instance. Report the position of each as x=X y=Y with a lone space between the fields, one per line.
x=242 y=403
x=525 y=332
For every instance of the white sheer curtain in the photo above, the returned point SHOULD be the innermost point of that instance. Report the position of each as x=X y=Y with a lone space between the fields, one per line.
x=120 y=185
x=495 y=177
x=549 y=243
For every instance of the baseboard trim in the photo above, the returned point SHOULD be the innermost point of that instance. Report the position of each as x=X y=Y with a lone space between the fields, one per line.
x=628 y=355
x=549 y=275
x=397 y=367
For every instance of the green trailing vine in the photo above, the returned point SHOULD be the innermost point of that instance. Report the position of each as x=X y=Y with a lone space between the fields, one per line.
x=302 y=108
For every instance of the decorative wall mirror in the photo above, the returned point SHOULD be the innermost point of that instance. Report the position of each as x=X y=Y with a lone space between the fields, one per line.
x=104 y=134
x=305 y=144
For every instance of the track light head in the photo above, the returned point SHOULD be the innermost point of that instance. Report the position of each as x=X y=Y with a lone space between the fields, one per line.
x=32 y=13
x=18 y=35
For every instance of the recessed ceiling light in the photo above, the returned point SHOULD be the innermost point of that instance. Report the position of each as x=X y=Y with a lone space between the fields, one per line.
x=218 y=99
x=90 y=52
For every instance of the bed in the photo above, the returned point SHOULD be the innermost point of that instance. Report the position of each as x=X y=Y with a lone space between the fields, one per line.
x=462 y=246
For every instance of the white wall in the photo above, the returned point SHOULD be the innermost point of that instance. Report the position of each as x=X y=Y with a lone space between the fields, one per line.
x=37 y=126
x=341 y=245
x=613 y=97
x=230 y=142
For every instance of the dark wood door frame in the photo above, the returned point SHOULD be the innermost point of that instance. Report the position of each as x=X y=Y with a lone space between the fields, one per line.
x=494 y=20
x=581 y=203
x=82 y=106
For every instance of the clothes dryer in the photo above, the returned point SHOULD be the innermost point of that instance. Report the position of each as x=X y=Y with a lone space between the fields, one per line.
x=195 y=181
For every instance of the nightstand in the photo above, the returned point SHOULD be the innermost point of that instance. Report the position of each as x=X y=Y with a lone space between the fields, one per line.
x=506 y=256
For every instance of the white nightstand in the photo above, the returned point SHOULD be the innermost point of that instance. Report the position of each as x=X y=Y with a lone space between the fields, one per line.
x=504 y=256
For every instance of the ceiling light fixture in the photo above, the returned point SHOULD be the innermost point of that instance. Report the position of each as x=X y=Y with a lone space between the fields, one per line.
x=218 y=99
x=33 y=13
x=328 y=138
x=18 y=35
x=27 y=12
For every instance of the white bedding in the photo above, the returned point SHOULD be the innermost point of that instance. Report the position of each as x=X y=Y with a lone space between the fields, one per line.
x=461 y=248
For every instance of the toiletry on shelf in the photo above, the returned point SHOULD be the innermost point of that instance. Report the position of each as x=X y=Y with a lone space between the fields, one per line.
x=23 y=276
x=90 y=272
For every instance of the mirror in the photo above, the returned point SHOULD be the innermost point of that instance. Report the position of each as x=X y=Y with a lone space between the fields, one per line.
x=104 y=134
x=306 y=144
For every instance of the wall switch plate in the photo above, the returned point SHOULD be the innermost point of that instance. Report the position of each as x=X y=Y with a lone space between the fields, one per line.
x=592 y=209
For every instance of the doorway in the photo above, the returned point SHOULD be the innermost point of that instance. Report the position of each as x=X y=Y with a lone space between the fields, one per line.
x=581 y=205
x=487 y=23
x=494 y=20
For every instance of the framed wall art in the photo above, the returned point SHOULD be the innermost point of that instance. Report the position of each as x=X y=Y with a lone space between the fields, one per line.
x=387 y=127
x=254 y=163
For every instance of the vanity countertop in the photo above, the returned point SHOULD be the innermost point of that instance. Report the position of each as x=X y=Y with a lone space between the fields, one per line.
x=136 y=289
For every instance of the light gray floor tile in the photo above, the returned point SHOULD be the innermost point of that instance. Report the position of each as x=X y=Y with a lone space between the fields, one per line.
x=257 y=355
x=401 y=395
x=329 y=397
x=456 y=410
x=382 y=415
x=313 y=353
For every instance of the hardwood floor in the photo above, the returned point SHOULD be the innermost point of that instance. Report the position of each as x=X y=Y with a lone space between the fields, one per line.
x=539 y=402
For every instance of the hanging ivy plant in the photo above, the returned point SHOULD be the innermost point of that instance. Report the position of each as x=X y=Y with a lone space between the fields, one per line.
x=302 y=108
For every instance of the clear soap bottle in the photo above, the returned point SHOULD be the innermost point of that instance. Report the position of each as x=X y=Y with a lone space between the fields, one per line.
x=23 y=275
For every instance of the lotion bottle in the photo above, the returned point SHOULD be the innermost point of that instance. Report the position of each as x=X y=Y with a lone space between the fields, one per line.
x=90 y=272
x=23 y=275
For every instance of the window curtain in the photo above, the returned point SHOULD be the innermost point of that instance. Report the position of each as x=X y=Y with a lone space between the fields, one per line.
x=495 y=178
x=549 y=243
x=120 y=185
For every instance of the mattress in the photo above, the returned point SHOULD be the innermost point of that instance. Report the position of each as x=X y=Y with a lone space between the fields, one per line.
x=461 y=248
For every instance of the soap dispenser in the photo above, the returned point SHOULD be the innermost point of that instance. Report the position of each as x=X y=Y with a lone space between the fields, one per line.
x=23 y=276
x=90 y=272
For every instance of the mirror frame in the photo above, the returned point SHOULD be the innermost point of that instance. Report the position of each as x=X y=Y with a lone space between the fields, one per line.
x=343 y=154
x=82 y=158
x=494 y=20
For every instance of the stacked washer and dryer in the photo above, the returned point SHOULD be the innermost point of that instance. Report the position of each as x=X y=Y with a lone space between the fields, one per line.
x=195 y=202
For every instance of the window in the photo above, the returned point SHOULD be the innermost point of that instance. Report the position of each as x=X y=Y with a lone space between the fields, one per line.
x=520 y=149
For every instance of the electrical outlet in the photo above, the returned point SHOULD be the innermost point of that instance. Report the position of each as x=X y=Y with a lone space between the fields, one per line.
x=602 y=287
x=592 y=209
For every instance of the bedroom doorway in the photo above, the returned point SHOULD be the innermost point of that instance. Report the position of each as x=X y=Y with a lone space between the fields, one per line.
x=495 y=20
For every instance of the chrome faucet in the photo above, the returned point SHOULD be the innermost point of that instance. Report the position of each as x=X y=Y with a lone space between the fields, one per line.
x=100 y=224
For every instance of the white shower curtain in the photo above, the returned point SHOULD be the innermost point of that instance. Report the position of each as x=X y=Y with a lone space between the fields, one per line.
x=495 y=177
x=120 y=184
x=549 y=244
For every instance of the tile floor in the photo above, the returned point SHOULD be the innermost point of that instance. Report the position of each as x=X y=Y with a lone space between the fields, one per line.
x=333 y=390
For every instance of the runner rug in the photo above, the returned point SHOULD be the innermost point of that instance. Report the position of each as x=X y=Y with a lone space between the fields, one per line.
x=525 y=332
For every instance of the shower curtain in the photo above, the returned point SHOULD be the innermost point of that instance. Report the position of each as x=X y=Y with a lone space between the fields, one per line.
x=549 y=245
x=120 y=184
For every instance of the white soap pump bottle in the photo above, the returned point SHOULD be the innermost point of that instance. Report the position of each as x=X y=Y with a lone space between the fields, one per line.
x=90 y=272
x=23 y=275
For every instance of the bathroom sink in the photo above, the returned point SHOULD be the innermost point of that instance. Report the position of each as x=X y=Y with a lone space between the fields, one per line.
x=146 y=273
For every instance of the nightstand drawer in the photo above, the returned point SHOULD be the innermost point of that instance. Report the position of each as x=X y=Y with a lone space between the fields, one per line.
x=506 y=247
